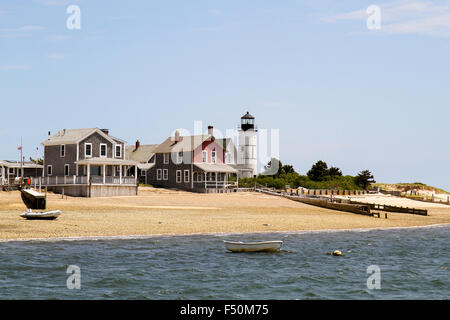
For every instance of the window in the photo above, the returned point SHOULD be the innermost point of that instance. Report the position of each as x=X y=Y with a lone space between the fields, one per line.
x=199 y=176
x=88 y=149
x=228 y=158
x=178 y=176
x=62 y=150
x=143 y=173
x=118 y=151
x=213 y=156
x=49 y=170
x=180 y=157
x=165 y=174
x=186 y=175
x=66 y=170
x=166 y=158
x=159 y=174
x=204 y=156
x=103 y=149
x=11 y=171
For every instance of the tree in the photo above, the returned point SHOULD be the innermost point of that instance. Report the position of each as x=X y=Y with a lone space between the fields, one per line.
x=333 y=171
x=287 y=169
x=318 y=171
x=364 y=179
x=38 y=161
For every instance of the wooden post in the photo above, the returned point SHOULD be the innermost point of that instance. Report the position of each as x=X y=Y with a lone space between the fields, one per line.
x=104 y=173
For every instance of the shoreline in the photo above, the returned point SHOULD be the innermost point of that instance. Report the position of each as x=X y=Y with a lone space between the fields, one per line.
x=150 y=236
x=159 y=213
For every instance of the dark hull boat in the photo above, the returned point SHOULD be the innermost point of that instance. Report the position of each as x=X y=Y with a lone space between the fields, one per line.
x=36 y=201
x=33 y=199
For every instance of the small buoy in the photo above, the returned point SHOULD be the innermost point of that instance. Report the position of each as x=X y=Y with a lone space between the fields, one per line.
x=337 y=253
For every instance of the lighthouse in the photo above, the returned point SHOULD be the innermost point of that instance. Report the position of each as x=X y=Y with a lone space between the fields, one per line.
x=247 y=153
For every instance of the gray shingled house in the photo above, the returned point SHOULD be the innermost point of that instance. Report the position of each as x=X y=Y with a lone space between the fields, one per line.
x=88 y=163
x=144 y=155
x=10 y=171
x=195 y=163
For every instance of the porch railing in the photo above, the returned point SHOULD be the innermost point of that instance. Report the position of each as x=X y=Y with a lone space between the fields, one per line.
x=81 y=180
x=211 y=184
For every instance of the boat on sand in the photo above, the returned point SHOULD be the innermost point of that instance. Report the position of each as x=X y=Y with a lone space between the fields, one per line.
x=261 y=246
x=36 y=201
x=48 y=215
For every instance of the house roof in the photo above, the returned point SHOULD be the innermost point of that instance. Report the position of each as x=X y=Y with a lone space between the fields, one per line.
x=186 y=143
x=215 y=167
x=17 y=164
x=142 y=154
x=226 y=143
x=73 y=136
x=145 y=166
x=106 y=161
x=247 y=116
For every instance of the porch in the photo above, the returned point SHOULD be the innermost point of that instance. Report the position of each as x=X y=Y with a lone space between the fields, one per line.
x=212 y=177
x=96 y=177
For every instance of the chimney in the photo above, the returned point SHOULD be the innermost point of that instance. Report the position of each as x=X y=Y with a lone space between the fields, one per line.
x=105 y=131
x=210 y=130
x=177 y=136
x=137 y=144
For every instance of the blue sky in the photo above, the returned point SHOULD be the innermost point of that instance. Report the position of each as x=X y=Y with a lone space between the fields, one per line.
x=337 y=91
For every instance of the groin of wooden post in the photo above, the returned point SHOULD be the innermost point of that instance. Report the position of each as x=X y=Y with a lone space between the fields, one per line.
x=353 y=208
x=382 y=207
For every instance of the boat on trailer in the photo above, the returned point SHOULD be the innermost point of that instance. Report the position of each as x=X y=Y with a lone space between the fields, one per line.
x=261 y=246
x=36 y=201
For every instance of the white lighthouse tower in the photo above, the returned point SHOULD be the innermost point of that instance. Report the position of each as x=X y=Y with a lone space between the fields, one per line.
x=247 y=153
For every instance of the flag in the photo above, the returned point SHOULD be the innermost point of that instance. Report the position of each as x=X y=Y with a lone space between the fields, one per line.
x=19 y=148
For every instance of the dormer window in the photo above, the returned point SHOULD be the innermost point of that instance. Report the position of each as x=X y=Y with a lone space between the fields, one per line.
x=204 y=156
x=180 y=157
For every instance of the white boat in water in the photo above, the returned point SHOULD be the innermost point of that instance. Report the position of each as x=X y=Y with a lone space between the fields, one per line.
x=48 y=215
x=262 y=246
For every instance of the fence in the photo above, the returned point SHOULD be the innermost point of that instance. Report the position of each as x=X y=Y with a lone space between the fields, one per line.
x=81 y=180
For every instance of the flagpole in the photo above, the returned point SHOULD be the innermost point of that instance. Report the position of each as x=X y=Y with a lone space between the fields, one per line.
x=21 y=158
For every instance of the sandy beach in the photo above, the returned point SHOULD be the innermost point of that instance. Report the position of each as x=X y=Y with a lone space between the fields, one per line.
x=166 y=212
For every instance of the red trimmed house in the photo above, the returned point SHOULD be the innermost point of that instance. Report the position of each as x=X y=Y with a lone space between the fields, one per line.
x=196 y=163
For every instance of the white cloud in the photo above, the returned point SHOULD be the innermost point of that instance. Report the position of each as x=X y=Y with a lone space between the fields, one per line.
x=56 y=37
x=20 y=32
x=13 y=67
x=406 y=17
x=57 y=56
x=57 y=3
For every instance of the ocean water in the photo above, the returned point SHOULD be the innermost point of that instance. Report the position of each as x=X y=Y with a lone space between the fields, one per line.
x=413 y=264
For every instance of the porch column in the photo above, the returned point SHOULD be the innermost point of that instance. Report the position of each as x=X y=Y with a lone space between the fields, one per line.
x=120 y=174
x=104 y=173
x=135 y=175
x=217 y=173
x=88 y=172
x=205 y=180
